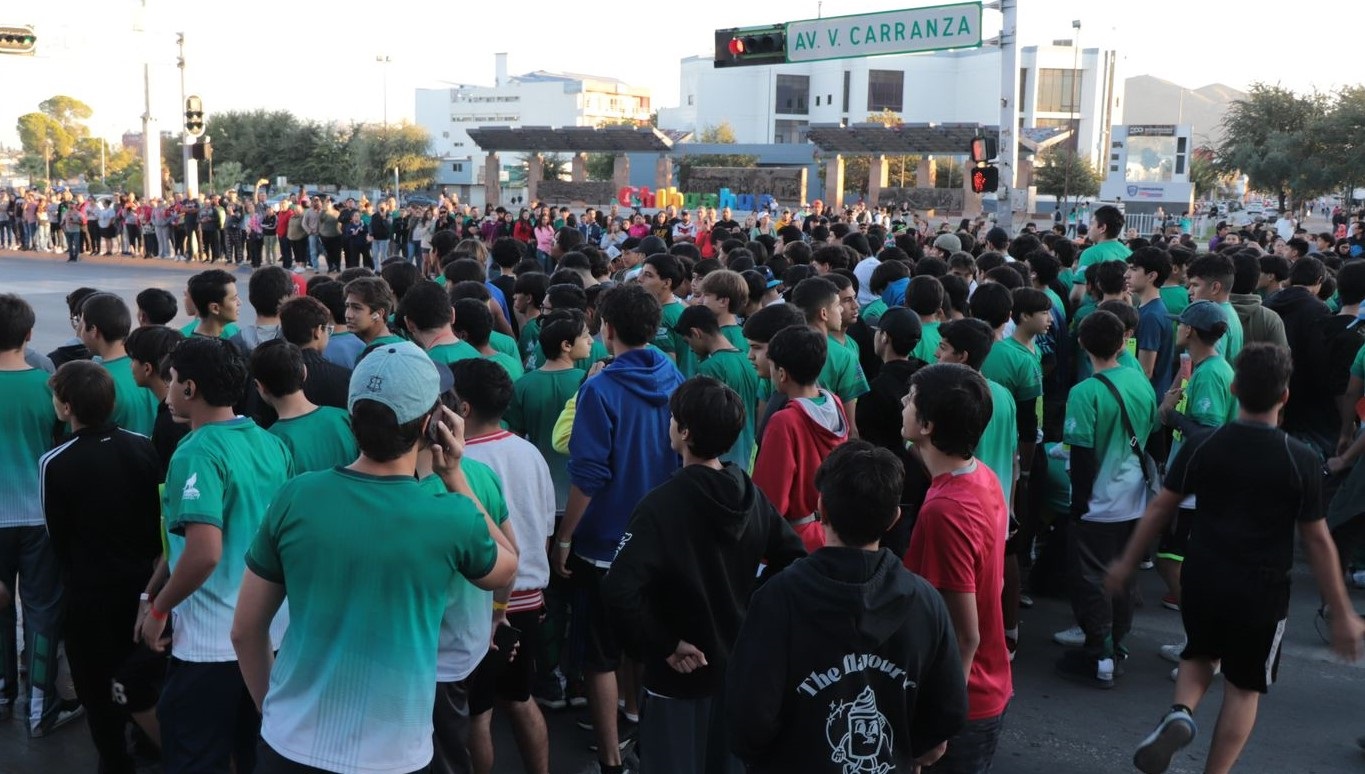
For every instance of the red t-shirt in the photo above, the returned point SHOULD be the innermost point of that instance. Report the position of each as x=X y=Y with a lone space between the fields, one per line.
x=958 y=545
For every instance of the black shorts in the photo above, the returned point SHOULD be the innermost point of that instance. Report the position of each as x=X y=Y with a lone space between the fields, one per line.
x=1177 y=536
x=496 y=678
x=1247 y=645
x=207 y=718
x=138 y=680
x=590 y=625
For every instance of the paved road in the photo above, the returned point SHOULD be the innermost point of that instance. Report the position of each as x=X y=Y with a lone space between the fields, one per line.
x=1308 y=724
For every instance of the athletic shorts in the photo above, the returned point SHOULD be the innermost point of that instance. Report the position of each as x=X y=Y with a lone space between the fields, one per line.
x=496 y=678
x=1177 y=536
x=594 y=632
x=1248 y=648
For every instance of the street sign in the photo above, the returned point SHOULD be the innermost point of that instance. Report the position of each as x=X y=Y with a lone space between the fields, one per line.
x=17 y=39
x=908 y=31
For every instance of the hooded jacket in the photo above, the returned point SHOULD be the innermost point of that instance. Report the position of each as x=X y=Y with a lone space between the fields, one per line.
x=686 y=568
x=1259 y=324
x=619 y=448
x=1311 y=409
x=796 y=440
x=847 y=662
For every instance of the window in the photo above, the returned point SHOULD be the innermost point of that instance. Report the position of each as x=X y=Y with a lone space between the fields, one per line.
x=793 y=94
x=788 y=131
x=817 y=100
x=1023 y=86
x=457 y=167
x=1058 y=91
x=691 y=99
x=847 y=79
x=885 y=90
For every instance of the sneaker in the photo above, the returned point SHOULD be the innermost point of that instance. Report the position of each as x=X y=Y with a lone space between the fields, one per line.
x=1170 y=602
x=1146 y=564
x=549 y=692
x=1174 y=732
x=1011 y=645
x=71 y=710
x=1081 y=667
x=576 y=694
x=1172 y=652
x=626 y=730
x=1025 y=601
x=1071 y=638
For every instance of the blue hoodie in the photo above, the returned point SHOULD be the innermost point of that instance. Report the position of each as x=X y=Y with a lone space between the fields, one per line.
x=619 y=449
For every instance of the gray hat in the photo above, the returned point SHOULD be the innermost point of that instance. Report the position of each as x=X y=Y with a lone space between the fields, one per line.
x=1202 y=316
x=400 y=376
x=948 y=242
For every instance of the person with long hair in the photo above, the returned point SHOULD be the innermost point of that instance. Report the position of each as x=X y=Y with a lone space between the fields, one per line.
x=544 y=237
x=639 y=229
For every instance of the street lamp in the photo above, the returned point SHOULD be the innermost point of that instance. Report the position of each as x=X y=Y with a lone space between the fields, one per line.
x=47 y=161
x=384 y=60
x=1075 y=111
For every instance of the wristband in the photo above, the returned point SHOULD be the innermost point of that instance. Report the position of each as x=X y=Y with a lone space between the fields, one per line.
x=156 y=614
x=143 y=597
x=564 y=543
x=499 y=607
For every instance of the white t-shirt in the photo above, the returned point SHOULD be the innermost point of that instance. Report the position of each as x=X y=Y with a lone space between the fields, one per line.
x=530 y=503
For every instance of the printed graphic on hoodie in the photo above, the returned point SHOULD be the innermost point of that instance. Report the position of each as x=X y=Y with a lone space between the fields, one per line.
x=859 y=736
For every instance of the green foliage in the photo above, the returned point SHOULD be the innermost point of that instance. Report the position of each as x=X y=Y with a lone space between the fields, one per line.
x=1060 y=172
x=720 y=134
x=376 y=151
x=226 y=174
x=601 y=166
x=1204 y=175
x=1275 y=137
x=56 y=131
x=948 y=173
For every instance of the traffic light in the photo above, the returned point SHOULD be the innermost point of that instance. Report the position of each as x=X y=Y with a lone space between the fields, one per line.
x=202 y=150
x=751 y=46
x=983 y=149
x=985 y=179
x=194 y=116
x=17 y=39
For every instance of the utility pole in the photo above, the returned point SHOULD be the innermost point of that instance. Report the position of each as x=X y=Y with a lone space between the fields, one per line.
x=151 y=137
x=191 y=166
x=1009 y=114
x=1075 y=114
x=47 y=162
x=384 y=60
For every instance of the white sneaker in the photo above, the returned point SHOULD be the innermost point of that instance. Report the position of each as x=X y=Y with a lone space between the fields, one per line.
x=1172 y=652
x=1072 y=638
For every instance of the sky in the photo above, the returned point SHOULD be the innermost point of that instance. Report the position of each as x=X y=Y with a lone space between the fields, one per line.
x=318 y=59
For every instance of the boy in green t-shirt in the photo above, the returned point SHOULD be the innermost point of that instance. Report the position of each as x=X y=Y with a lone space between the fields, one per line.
x=726 y=293
x=474 y=324
x=1109 y=488
x=527 y=296
x=540 y=395
x=662 y=275
x=318 y=437
x=1202 y=400
x=499 y=341
x=924 y=296
x=818 y=300
x=721 y=360
x=369 y=302
x=27 y=425
x=104 y=324
x=213 y=296
x=427 y=313
x=348 y=692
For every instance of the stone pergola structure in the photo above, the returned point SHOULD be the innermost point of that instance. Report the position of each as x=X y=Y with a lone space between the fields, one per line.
x=578 y=141
x=879 y=141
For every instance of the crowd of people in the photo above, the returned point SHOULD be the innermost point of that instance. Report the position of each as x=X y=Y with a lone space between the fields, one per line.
x=764 y=495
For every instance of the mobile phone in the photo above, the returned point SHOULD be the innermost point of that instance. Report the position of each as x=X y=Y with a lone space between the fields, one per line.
x=505 y=638
x=434 y=428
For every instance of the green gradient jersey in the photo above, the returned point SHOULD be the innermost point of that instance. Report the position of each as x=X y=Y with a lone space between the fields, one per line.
x=927 y=348
x=318 y=440
x=842 y=374
x=134 y=407
x=229 y=330
x=1126 y=358
x=538 y=399
x=505 y=344
x=1112 y=250
x=223 y=474
x=528 y=344
x=852 y=346
x=447 y=354
x=732 y=368
x=1093 y=421
x=1230 y=345
x=509 y=364
x=353 y=685
x=1015 y=367
x=26 y=427
x=668 y=339
x=999 y=444
x=1208 y=397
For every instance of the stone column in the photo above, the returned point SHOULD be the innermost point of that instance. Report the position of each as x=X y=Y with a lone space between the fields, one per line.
x=663 y=172
x=925 y=172
x=535 y=172
x=578 y=170
x=876 y=179
x=492 y=182
x=834 y=183
x=620 y=172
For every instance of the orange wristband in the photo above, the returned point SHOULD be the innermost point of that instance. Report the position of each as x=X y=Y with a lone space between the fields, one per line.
x=157 y=614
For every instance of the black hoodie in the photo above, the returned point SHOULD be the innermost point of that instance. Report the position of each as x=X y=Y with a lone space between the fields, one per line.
x=846 y=662
x=685 y=569
x=1311 y=410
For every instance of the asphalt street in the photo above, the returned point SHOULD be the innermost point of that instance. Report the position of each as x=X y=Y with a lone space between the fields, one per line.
x=1308 y=724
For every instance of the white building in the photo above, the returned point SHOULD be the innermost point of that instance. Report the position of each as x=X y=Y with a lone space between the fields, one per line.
x=778 y=103
x=535 y=99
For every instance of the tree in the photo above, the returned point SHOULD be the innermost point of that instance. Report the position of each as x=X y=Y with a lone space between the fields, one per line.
x=948 y=173
x=601 y=166
x=719 y=134
x=900 y=170
x=227 y=175
x=1061 y=171
x=1341 y=138
x=1204 y=176
x=55 y=131
x=1268 y=137
x=376 y=151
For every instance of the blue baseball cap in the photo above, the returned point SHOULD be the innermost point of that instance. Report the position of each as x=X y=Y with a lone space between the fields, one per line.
x=1202 y=316
x=400 y=376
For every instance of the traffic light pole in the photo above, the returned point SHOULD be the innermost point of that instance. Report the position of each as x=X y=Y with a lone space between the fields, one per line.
x=1009 y=114
x=188 y=163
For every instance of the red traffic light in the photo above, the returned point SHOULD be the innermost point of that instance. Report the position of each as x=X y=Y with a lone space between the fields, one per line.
x=985 y=179
x=736 y=46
